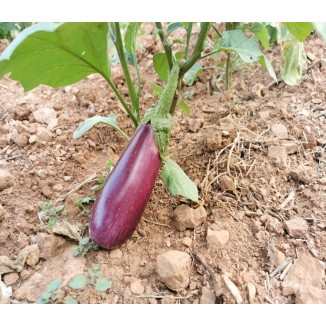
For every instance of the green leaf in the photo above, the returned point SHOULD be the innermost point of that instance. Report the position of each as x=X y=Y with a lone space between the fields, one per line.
x=53 y=286
x=161 y=66
x=184 y=107
x=172 y=27
x=272 y=33
x=158 y=90
x=191 y=75
x=130 y=37
x=267 y=66
x=177 y=181
x=321 y=29
x=78 y=282
x=236 y=41
x=179 y=55
x=261 y=32
x=102 y=284
x=57 y=54
x=299 y=30
x=89 y=123
x=70 y=300
x=294 y=61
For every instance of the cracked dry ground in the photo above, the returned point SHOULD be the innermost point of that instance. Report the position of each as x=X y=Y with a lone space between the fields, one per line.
x=256 y=153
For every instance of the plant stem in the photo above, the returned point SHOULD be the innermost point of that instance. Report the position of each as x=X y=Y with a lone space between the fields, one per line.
x=189 y=29
x=166 y=46
x=208 y=54
x=228 y=71
x=217 y=32
x=198 y=48
x=120 y=49
x=122 y=101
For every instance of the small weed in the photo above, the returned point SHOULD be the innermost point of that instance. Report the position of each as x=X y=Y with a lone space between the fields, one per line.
x=85 y=245
x=79 y=282
x=51 y=294
x=50 y=213
x=102 y=179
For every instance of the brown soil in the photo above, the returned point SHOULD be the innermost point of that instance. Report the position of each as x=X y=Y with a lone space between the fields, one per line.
x=263 y=190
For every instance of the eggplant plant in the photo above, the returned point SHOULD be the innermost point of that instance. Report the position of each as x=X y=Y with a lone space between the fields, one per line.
x=60 y=54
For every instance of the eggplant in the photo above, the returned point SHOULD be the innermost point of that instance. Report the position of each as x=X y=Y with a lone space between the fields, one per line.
x=125 y=194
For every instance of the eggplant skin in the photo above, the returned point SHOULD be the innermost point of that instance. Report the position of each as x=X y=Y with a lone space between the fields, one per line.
x=125 y=194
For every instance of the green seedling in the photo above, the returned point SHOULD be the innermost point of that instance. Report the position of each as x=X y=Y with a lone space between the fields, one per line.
x=51 y=294
x=85 y=245
x=51 y=214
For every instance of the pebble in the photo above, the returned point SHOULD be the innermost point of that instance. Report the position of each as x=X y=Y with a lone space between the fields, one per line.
x=6 y=179
x=186 y=217
x=311 y=141
x=33 y=254
x=207 y=296
x=116 y=254
x=251 y=292
x=217 y=239
x=195 y=124
x=10 y=278
x=278 y=153
x=226 y=183
x=20 y=140
x=58 y=187
x=43 y=135
x=233 y=289
x=49 y=244
x=187 y=242
x=32 y=139
x=79 y=157
x=302 y=174
x=136 y=287
x=279 y=130
x=296 y=227
x=174 y=268
x=264 y=115
x=310 y=295
x=306 y=271
x=273 y=225
x=45 y=115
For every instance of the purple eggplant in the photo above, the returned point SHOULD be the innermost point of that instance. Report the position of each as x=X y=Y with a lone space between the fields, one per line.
x=124 y=196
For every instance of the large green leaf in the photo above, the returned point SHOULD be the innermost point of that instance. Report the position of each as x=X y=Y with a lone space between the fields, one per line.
x=321 y=29
x=299 y=30
x=161 y=66
x=86 y=125
x=130 y=38
x=177 y=181
x=78 y=282
x=267 y=66
x=191 y=75
x=261 y=32
x=102 y=284
x=294 y=60
x=236 y=41
x=57 y=54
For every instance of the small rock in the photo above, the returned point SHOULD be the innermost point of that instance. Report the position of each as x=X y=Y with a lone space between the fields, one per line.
x=58 y=187
x=169 y=299
x=67 y=177
x=310 y=295
x=279 y=257
x=311 y=56
x=278 y=153
x=291 y=148
x=233 y=289
x=33 y=254
x=49 y=244
x=32 y=139
x=273 y=225
x=226 y=183
x=25 y=274
x=79 y=157
x=136 y=287
x=5 y=292
x=321 y=141
x=322 y=181
x=188 y=218
x=279 y=130
x=195 y=124
x=264 y=115
x=116 y=254
x=187 y=242
x=251 y=292
x=43 y=135
x=4 y=141
x=22 y=112
x=45 y=115
x=217 y=239
x=213 y=139
x=311 y=141
x=174 y=268
x=42 y=173
x=46 y=190
x=20 y=140
x=316 y=100
x=11 y=278
x=207 y=296
x=258 y=91
x=306 y=271
x=302 y=174
x=296 y=227
x=6 y=179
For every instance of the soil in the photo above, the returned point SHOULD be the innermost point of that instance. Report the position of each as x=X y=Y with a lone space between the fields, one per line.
x=256 y=153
